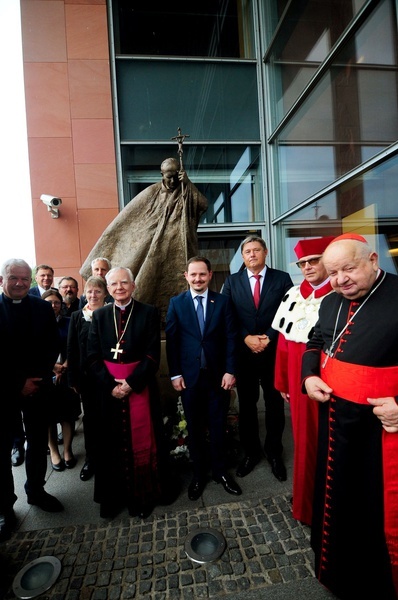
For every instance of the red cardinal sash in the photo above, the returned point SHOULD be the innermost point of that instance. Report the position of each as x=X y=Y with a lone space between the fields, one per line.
x=356 y=383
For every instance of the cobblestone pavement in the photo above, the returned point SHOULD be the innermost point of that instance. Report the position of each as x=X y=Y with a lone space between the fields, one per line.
x=129 y=558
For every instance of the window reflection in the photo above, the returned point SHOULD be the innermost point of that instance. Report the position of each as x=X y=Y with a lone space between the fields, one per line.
x=351 y=113
x=229 y=177
x=373 y=193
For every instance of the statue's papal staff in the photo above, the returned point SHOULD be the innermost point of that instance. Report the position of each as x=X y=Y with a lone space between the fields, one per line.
x=180 y=140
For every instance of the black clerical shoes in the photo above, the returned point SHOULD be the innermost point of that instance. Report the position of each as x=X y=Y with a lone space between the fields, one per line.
x=278 y=468
x=7 y=524
x=87 y=471
x=17 y=456
x=247 y=465
x=46 y=502
x=195 y=489
x=229 y=485
x=70 y=464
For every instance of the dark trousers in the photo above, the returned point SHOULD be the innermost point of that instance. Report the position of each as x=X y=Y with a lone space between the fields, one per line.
x=206 y=407
x=90 y=402
x=257 y=370
x=8 y=422
x=19 y=433
x=36 y=416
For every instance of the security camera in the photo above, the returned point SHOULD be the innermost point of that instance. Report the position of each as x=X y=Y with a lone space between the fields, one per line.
x=51 y=201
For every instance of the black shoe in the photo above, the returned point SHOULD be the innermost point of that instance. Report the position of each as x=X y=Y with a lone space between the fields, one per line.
x=17 y=456
x=278 y=468
x=247 y=465
x=229 y=485
x=69 y=464
x=7 y=524
x=195 y=489
x=46 y=502
x=87 y=471
x=59 y=466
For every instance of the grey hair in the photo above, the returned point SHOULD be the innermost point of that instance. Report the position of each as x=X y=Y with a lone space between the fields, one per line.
x=14 y=262
x=102 y=258
x=253 y=238
x=128 y=271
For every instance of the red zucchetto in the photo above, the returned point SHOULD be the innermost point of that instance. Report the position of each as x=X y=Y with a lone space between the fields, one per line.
x=350 y=236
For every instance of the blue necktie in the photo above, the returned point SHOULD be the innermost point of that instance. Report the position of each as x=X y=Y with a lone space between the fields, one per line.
x=201 y=319
x=200 y=314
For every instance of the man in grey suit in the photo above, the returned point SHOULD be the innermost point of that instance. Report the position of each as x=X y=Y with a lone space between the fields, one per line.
x=201 y=354
x=256 y=293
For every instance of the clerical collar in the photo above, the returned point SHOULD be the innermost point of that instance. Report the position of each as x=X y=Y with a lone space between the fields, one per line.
x=123 y=306
x=11 y=301
x=318 y=287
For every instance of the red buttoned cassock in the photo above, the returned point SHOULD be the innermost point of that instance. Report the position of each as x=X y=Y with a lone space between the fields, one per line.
x=355 y=514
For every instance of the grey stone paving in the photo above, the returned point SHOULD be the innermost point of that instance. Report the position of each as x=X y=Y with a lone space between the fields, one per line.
x=267 y=552
x=129 y=558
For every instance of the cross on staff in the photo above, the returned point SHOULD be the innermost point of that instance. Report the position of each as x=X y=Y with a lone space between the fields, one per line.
x=180 y=140
x=117 y=350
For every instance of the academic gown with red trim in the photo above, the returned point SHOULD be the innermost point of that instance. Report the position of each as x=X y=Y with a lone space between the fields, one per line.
x=295 y=320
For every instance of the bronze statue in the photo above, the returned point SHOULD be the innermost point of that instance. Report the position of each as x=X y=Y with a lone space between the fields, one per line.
x=155 y=234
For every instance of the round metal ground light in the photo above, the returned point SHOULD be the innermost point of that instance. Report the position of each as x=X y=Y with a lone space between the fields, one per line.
x=204 y=545
x=36 y=577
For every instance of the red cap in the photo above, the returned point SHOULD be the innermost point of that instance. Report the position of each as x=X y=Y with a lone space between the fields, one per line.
x=314 y=246
x=351 y=236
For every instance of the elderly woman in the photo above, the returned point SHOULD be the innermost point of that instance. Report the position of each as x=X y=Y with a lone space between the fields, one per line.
x=95 y=292
x=66 y=405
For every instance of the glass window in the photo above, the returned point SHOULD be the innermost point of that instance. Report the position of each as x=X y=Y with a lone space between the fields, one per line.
x=228 y=175
x=308 y=31
x=181 y=28
x=212 y=101
x=366 y=203
x=224 y=253
x=351 y=113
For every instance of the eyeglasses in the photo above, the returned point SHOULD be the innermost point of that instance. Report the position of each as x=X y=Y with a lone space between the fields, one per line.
x=312 y=262
x=65 y=287
x=115 y=284
x=55 y=302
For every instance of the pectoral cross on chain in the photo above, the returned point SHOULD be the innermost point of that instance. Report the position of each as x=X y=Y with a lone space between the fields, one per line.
x=117 y=350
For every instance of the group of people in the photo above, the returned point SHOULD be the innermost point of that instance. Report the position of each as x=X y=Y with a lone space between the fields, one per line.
x=327 y=346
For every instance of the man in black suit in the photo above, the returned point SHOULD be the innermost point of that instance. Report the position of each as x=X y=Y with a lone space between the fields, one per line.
x=44 y=277
x=201 y=354
x=256 y=354
x=29 y=349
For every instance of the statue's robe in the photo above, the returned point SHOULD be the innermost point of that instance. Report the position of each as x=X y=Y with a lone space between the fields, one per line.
x=154 y=235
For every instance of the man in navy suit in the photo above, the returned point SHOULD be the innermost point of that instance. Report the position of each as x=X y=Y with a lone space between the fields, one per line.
x=201 y=354
x=256 y=354
x=44 y=277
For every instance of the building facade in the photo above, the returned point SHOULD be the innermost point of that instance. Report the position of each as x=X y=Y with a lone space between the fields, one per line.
x=288 y=111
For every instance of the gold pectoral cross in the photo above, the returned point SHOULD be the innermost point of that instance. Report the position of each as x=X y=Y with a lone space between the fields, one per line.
x=117 y=350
